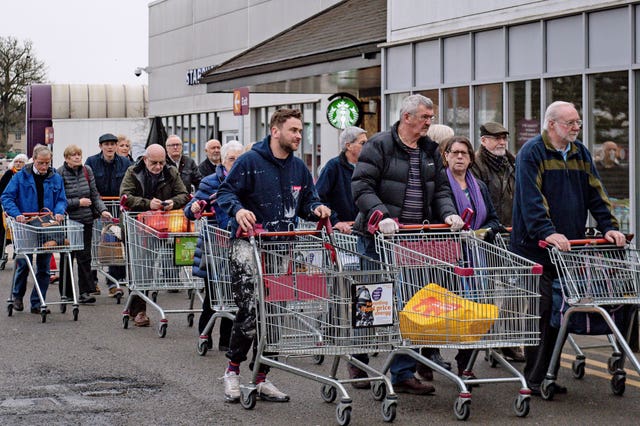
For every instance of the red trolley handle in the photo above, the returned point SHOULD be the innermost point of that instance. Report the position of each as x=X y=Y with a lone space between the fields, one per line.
x=377 y=215
x=586 y=241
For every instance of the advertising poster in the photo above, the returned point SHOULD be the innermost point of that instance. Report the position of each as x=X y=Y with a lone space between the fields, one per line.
x=372 y=305
x=184 y=250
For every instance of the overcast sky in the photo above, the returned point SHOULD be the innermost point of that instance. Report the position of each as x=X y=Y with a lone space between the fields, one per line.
x=83 y=41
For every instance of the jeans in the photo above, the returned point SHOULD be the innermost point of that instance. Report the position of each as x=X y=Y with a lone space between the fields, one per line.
x=403 y=366
x=43 y=262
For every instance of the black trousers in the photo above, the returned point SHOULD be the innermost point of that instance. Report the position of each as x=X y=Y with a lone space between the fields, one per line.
x=225 y=323
x=83 y=259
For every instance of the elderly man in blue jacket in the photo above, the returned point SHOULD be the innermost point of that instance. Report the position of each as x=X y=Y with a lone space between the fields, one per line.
x=270 y=186
x=35 y=187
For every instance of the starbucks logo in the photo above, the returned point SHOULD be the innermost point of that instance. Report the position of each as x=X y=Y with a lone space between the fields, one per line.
x=343 y=111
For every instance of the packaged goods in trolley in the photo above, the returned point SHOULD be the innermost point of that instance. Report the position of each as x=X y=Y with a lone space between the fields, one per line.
x=457 y=291
x=107 y=247
x=216 y=256
x=160 y=259
x=41 y=234
x=308 y=304
x=597 y=293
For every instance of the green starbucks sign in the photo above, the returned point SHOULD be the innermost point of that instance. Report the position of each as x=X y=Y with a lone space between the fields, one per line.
x=344 y=110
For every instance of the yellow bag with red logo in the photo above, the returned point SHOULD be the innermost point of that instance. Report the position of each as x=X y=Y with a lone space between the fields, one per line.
x=163 y=221
x=437 y=315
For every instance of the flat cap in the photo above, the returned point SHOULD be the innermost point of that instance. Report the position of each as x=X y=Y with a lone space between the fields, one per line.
x=492 y=128
x=108 y=137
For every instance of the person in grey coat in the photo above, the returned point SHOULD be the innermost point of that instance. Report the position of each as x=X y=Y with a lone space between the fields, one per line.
x=84 y=204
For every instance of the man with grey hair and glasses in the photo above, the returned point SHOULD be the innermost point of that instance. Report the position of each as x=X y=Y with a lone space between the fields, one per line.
x=400 y=173
x=334 y=183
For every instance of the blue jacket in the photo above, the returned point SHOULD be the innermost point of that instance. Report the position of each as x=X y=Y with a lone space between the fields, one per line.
x=553 y=195
x=108 y=181
x=208 y=186
x=276 y=191
x=20 y=195
x=334 y=189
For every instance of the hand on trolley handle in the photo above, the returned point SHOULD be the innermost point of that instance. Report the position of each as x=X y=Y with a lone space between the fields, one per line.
x=390 y=226
x=561 y=242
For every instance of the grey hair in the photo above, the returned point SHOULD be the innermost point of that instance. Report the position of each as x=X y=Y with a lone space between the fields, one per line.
x=551 y=113
x=39 y=150
x=230 y=146
x=440 y=132
x=410 y=104
x=348 y=135
x=22 y=157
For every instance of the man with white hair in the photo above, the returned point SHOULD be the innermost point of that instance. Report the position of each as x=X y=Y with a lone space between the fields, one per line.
x=212 y=150
x=334 y=183
x=188 y=169
x=557 y=186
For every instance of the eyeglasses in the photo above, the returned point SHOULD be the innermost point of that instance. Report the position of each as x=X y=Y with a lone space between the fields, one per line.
x=425 y=117
x=456 y=153
x=156 y=163
x=571 y=123
x=174 y=145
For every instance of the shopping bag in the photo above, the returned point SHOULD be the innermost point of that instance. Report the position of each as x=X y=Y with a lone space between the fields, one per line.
x=51 y=233
x=110 y=247
x=162 y=221
x=436 y=315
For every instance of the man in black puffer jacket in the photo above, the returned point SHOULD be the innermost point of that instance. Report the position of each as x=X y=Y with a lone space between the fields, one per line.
x=400 y=173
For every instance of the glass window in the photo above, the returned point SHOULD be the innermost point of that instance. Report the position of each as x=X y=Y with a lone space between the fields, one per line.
x=568 y=88
x=524 y=112
x=488 y=106
x=394 y=103
x=609 y=133
x=455 y=110
x=489 y=51
x=399 y=67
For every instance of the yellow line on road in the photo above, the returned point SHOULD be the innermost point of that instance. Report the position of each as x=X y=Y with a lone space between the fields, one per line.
x=601 y=366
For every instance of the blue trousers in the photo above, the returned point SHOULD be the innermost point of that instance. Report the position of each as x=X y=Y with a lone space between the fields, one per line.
x=42 y=275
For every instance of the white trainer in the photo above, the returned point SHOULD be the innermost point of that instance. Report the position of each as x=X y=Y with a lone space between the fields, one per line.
x=267 y=391
x=231 y=386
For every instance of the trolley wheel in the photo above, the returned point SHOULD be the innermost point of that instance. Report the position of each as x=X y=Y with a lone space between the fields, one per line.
x=125 y=321
x=154 y=296
x=43 y=314
x=578 y=368
x=75 y=314
x=203 y=347
x=378 y=390
x=162 y=330
x=118 y=298
x=521 y=406
x=343 y=414
x=328 y=393
x=10 y=309
x=190 y=320
x=248 y=399
x=614 y=363
x=63 y=308
x=462 y=408
x=547 y=390
x=3 y=263
x=318 y=359
x=618 y=384
x=389 y=411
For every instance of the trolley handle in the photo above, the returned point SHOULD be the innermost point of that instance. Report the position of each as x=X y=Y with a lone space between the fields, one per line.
x=202 y=211
x=110 y=198
x=586 y=242
x=326 y=224
x=377 y=215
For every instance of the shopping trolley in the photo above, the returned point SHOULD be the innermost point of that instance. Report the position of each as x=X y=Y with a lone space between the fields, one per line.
x=598 y=281
x=216 y=252
x=307 y=305
x=4 y=256
x=107 y=246
x=456 y=291
x=159 y=260
x=62 y=238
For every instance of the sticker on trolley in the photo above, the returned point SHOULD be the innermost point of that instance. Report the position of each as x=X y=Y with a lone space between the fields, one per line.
x=307 y=259
x=372 y=305
x=184 y=250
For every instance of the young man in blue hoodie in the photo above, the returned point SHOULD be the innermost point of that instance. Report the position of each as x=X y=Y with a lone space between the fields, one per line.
x=270 y=186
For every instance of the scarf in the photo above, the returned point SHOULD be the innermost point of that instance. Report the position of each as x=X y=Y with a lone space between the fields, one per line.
x=462 y=202
x=497 y=163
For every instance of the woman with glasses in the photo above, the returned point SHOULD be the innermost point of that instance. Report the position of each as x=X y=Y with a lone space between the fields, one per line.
x=468 y=192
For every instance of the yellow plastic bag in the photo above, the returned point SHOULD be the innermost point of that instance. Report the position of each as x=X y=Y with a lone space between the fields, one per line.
x=436 y=315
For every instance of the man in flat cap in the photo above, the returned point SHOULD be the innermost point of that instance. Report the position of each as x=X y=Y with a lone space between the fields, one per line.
x=495 y=166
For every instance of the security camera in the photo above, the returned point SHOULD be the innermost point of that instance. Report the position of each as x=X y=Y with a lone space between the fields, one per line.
x=138 y=71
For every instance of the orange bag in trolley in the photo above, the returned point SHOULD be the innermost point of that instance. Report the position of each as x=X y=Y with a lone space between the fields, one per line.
x=437 y=315
x=171 y=221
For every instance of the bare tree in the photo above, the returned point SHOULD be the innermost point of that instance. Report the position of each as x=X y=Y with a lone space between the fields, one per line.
x=18 y=69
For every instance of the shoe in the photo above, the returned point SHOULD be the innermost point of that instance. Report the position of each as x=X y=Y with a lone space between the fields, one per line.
x=413 y=386
x=437 y=358
x=535 y=389
x=18 y=305
x=85 y=298
x=38 y=310
x=356 y=373
x=467 y=375
x=141 y=320
x=424 y=373
x=114 y=291
x=231 y=386
x=267 y=391
x=95 y=291
x=514 y=354
x=221 y=348
x=54 y=279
